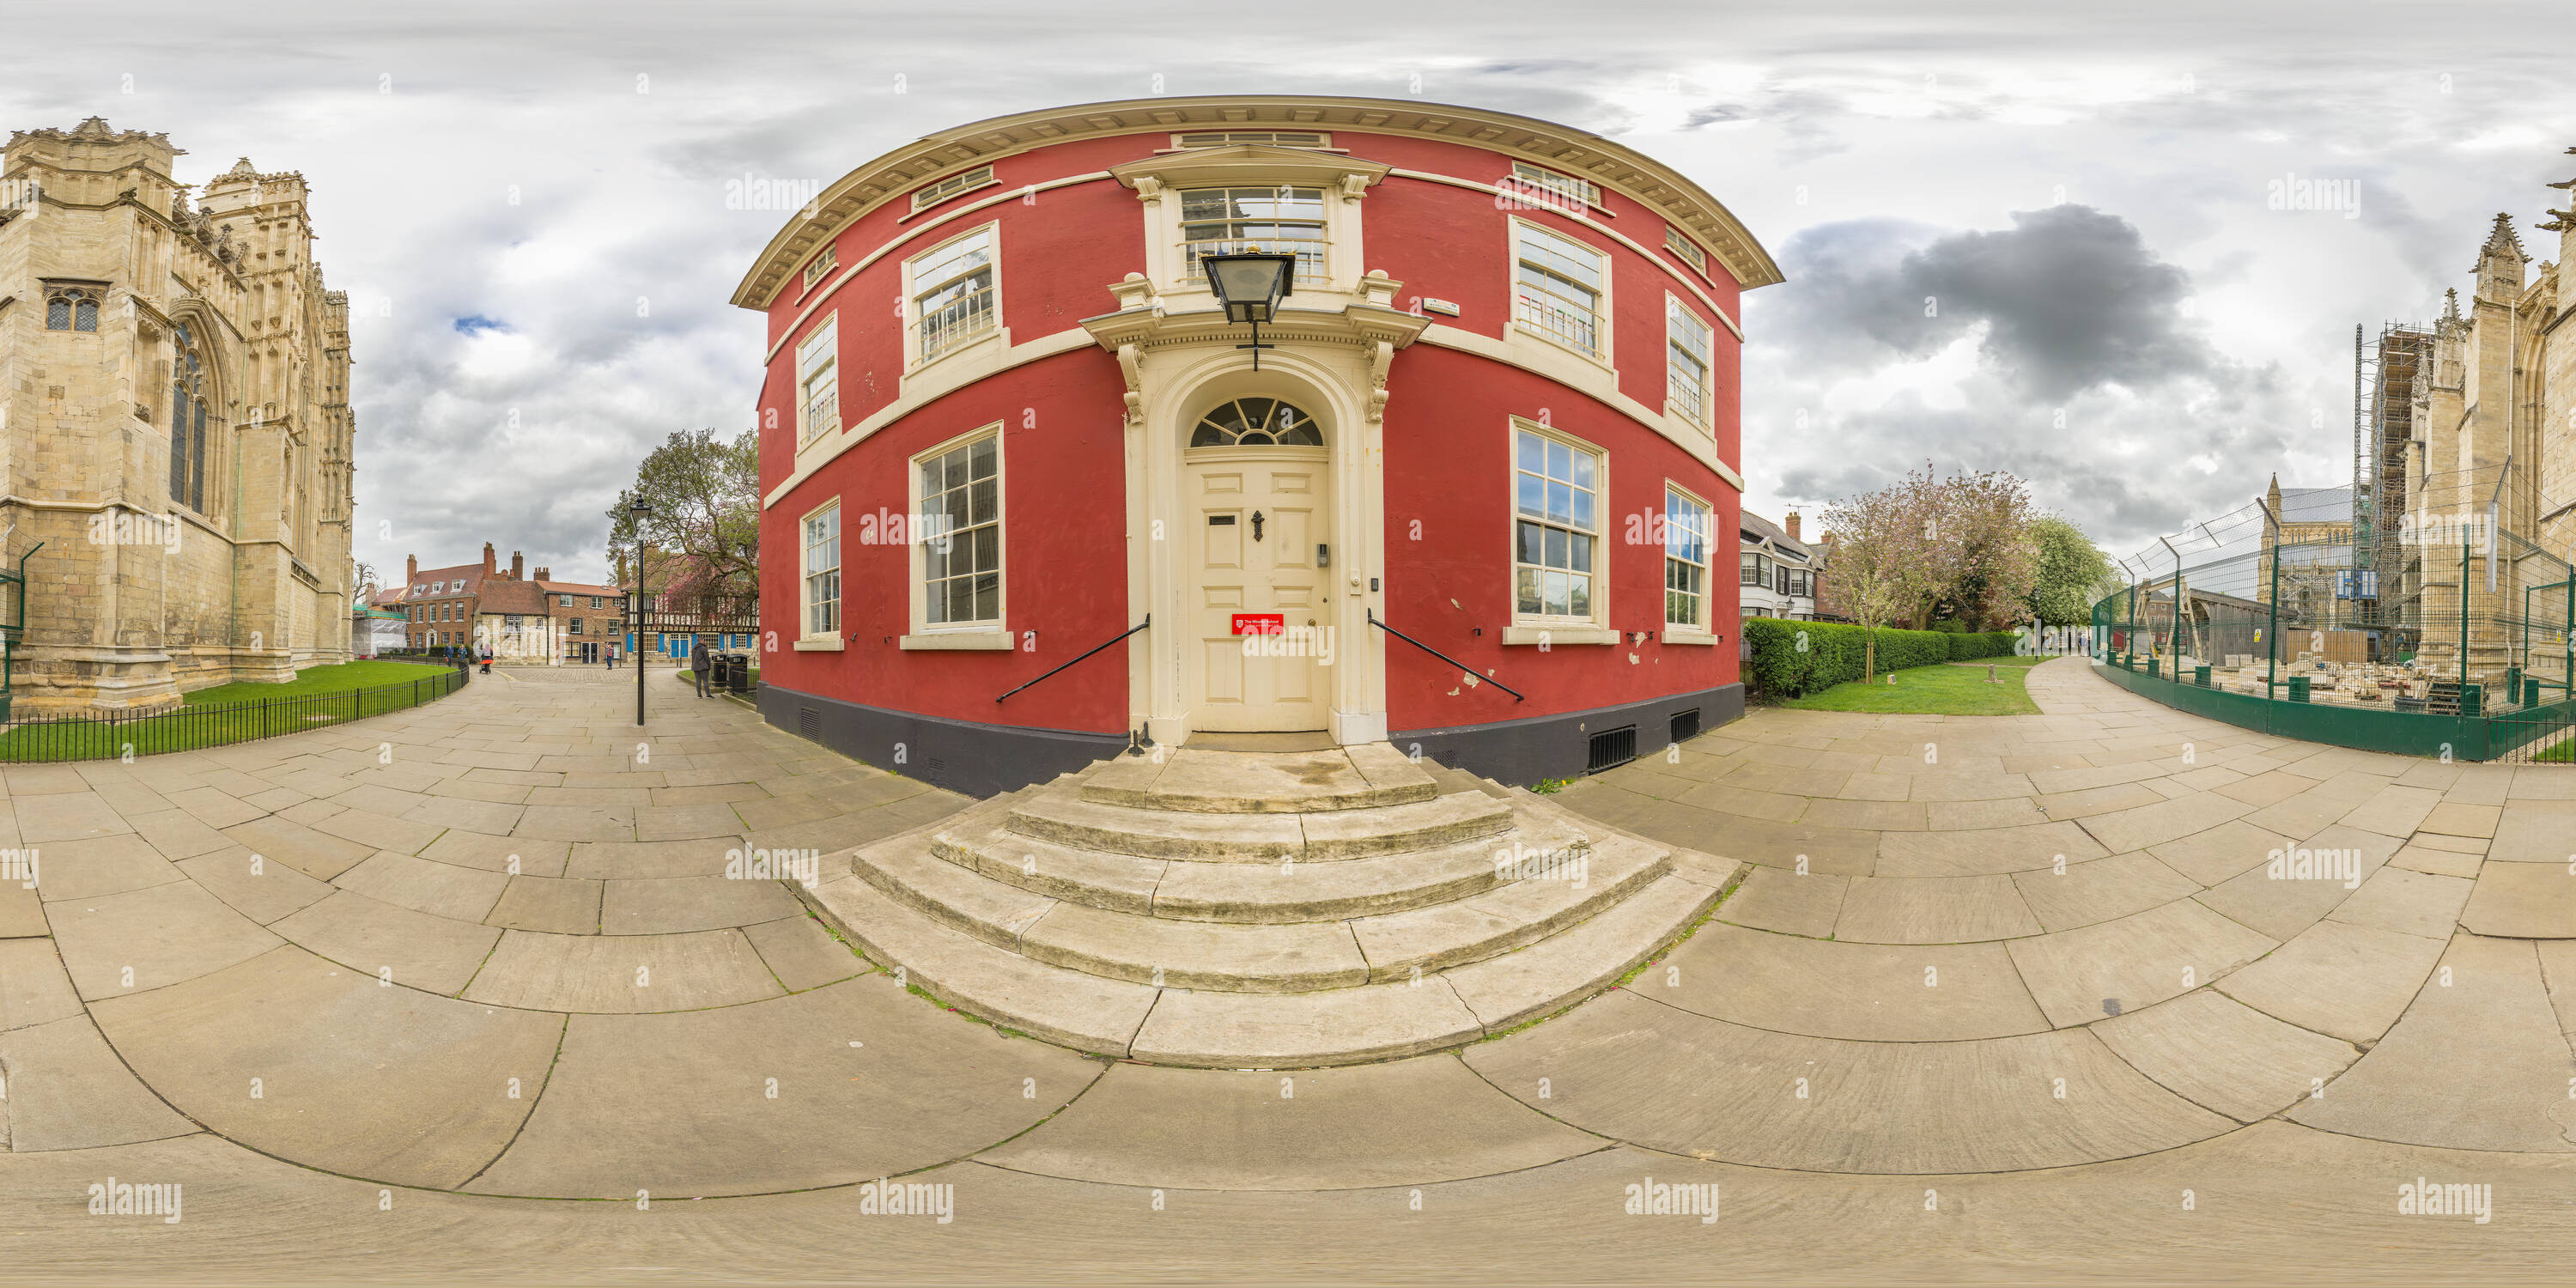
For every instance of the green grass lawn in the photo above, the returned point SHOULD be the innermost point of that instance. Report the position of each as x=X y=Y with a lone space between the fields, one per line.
x=1945 y=689
x=338 y=678
x=230 y=713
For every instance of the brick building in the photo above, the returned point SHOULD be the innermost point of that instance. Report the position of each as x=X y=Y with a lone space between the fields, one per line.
x=174 y=416
x=522 y=620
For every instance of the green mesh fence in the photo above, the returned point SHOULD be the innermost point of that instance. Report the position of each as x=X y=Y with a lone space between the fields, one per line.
x=2440 y=610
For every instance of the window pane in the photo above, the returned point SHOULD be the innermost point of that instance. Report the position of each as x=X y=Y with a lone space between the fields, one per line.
x=1581 y=605
x=1533 y=496
x=1556 y=553
x=981 y=509
x=1580 y=553
x=1583 y=509
x=1560 y=502
x=988 y=597
x=1532 y=542
x=1583 y=467
x=988 y=549
x=1533 y=451
x=1555 y=584
x=961 y=599
x=1560 y=460
x=1527 y=593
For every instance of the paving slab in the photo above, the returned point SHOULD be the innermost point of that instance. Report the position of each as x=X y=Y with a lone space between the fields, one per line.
x=2477 y=1062
x=151 y=938
x=1634 y=1070
x=557 y=905
x=2222 y=1054
x=68 y=1090
x=802 y=954
x=388 y=1084
x=424 y=885
x=177 y=834
x=1408 y=1122
x=1934 y=910
x=2412 y=903
x=252 y=885
x=2340 y=978
x=2100 y=890
x=2536 y=831
x=34 y=988
x=103 y=865
x=422 y=950
x=669 y=905
x=2214 y=856
x=1865 y=992
x=2280 y=901
x=2081 y=975
x=1778 y=899
x=1990 y=852
x=307 y=851
x=507 y=855
x=2522 y=901
x=622 y=973
x=829 y=1087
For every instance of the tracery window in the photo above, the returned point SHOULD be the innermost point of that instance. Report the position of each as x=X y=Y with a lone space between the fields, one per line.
x=187 y=422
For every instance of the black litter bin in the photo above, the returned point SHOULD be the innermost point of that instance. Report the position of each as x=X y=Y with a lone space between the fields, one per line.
x=716 y=663
x=738 y=677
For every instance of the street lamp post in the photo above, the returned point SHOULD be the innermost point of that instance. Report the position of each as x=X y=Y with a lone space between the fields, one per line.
x=635 y=605
x=1249 y=285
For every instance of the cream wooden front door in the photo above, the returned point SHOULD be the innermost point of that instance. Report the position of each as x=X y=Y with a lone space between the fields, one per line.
x=1256 y=518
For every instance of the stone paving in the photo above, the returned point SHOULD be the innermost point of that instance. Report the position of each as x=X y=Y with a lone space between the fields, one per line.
x=2002 y=998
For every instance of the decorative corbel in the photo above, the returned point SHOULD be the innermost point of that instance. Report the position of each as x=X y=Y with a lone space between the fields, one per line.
x=1129 y=367
x=1148 y=188
x=1354 y=186
x=1381 y=359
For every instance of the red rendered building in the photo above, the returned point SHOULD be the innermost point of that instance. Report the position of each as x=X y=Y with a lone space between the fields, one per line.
x=1004 y=422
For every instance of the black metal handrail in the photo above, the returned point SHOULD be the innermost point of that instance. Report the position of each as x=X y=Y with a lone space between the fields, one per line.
x=1517 y=695
x=1149 y=620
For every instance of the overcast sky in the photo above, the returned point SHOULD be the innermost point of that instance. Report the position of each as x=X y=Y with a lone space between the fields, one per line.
x=526 y=204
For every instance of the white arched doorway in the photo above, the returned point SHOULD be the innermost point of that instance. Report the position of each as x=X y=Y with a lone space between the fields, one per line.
x=1257 y=515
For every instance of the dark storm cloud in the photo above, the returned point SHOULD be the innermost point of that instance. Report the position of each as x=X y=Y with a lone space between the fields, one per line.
x=2069 y=298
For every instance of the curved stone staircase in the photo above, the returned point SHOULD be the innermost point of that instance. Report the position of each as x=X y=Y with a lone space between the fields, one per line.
x=1265 y=910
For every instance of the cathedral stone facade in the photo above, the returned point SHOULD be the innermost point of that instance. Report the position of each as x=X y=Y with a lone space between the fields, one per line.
x=174 y=424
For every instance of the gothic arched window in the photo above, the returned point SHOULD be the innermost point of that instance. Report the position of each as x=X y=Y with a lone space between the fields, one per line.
x=1256 y=422
x=71 y=308
x=187 y=423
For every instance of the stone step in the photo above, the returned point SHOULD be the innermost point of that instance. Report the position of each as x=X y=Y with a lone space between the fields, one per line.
x=1542 y=900
x=1067 y=819
x=1061 y=1006
x=1117 y=882
x=1305 y=1030
x=1538 y=981
x=1265 y=893
x=1218 y=782
x=1115 y=945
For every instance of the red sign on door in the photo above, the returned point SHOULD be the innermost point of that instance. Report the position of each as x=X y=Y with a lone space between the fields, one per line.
x=1260 y=624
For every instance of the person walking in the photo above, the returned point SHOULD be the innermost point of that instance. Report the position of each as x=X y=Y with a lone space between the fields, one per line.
x=701 y=662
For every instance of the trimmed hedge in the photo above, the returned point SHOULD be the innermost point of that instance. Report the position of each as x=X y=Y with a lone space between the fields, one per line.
x=1967 y=648
x=1794 y=659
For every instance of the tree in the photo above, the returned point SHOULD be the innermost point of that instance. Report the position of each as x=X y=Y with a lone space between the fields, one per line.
x=1990 y=515
x=2070 y=573
x=1893 y=554
x=704 y=491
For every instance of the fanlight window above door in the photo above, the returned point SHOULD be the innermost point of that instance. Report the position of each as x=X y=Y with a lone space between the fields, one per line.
x=1257 y=422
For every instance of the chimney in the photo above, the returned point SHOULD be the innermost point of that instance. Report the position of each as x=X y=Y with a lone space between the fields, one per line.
x=515 y=567
x=1790 y=525
x=489 y=567
x=545 y=574
x=411 y=569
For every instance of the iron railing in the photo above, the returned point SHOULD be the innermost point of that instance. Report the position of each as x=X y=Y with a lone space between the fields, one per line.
x=1149 y=620
x=1517 y=695
x=111 y=735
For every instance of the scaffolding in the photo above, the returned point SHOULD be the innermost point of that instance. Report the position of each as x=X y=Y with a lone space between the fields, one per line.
x=2384 y=386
